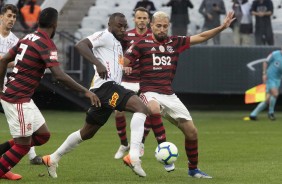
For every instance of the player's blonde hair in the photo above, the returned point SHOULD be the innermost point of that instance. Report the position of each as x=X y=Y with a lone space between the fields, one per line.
x=160 y=15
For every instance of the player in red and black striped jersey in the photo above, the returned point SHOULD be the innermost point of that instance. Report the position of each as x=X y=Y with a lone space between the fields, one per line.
x=158 y=56
x=32 y=55
x=154 y=121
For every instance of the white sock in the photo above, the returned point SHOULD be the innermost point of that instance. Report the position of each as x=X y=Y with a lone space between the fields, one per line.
x=137 y=131
x=68 y=145
x=31 y=153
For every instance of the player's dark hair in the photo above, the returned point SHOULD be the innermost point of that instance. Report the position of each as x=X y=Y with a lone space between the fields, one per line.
x=142 y=9
x=7 y=7
x=114 y=15
x=48 y=17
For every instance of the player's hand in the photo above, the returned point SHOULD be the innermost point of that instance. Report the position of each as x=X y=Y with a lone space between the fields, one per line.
x=127 y=70
x=102 y=71
x=228 y=19
x=93 y=98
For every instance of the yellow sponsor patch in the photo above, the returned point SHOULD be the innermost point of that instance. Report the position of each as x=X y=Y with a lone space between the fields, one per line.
x=113 y=100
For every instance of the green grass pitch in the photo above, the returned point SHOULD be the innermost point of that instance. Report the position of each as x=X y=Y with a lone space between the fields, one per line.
x=231 y=150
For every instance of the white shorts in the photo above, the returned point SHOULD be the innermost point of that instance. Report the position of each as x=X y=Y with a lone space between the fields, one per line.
x=134 y=86
x=170 y=105
x=23 y=118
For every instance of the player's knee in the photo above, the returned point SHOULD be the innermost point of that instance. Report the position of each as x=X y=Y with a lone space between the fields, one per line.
x=119 y=114
x=40 y=139
x=154 y=107
x=88 y=131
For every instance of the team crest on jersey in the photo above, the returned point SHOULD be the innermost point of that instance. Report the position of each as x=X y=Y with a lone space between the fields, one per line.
x=113 y=100
x=161 y=48
x=131 y=34
x=28 y=126
x=54 y=55
x=169 y=49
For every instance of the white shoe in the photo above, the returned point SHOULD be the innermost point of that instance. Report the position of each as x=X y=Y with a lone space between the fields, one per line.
x=134 y=165
x=51 y=167
x=142 y=150
x=169 y=167
x=121 y=151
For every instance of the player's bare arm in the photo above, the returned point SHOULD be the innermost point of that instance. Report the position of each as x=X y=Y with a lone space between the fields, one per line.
x=4 y=61
x=204 y=36
x=69 y=82
x=84 y=48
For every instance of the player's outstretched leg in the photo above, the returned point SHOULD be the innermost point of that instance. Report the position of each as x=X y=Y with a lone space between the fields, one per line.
x=121 y=130
x=51 y=166
x=134 y=165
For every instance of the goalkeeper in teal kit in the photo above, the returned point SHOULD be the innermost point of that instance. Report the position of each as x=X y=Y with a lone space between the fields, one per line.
x=271 y=75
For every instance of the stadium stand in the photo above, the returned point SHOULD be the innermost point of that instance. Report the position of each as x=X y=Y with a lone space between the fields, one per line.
x=103 y=8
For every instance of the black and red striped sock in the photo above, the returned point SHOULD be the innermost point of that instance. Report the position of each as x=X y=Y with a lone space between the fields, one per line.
x=147 y=127
x=158 y=127
x=6 y=146
x=191 y=147
x=10 y=158
x=121 y=129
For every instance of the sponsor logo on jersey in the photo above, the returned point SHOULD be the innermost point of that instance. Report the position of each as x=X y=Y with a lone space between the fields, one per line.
x=54 y=55
x=113 y=100
x=277 y=64
x=161 y=48
x=149 y=41
x=131 y=34
x=159 y=61
x=153 y=49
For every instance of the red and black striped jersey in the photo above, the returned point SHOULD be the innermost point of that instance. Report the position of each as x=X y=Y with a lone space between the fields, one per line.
x=158 y=61
x=33 y=54
x=130 y=37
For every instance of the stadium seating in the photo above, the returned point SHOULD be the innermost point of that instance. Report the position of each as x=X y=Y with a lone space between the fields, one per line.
x=98 y=16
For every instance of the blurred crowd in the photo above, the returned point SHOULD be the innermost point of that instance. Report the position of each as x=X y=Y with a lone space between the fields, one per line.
x=29 y=11
x=253 y=18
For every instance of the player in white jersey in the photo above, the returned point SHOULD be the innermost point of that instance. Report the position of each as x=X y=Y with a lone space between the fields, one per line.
x=107 y=49
x=7 y=40
x=104 y=50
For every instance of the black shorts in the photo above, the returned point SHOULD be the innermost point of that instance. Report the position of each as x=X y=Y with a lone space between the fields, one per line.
x=112 y=97
x=1 y=108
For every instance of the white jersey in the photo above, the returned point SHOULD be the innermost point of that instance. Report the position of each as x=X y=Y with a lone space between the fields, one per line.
x=108 y=50
x=6 y=43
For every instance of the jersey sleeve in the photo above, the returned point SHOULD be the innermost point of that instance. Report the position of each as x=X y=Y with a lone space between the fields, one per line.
x=133 y=52
x=97 y=39
x=13 y=50
x=270 y=59
x=49 y=55
x=183 y=43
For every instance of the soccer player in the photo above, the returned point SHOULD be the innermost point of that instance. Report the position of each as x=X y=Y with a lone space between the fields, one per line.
x=8 y=17
x=131 y=81
x=158 y=56
x=32 y=55
x=271 y=75
x=103 y=49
